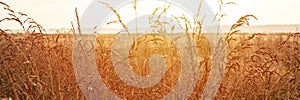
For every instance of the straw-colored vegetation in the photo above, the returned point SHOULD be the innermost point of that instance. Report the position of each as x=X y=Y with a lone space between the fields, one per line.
x=39 y=66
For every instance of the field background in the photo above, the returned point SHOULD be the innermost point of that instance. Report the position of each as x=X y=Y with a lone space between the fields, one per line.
x=34 y=65
x=259 y=66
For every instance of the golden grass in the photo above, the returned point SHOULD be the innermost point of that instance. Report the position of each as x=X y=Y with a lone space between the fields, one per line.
x=39 y=66
x=260 y=70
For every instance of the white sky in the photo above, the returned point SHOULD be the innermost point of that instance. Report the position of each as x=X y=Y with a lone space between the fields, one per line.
x=59 y=13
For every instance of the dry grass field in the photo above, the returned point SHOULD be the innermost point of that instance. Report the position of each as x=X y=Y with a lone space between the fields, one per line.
x=34 y=65
x=39 y=66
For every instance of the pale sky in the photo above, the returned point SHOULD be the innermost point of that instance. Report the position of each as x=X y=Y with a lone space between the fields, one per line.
x=59 y=13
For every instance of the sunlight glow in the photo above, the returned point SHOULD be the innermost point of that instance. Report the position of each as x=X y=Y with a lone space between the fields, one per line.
x=59 y=13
